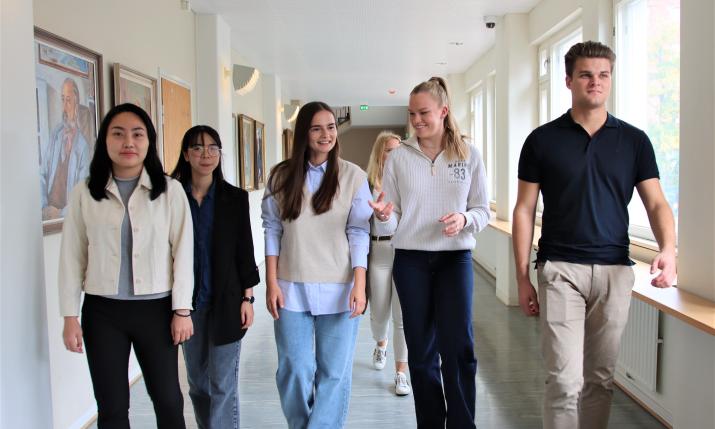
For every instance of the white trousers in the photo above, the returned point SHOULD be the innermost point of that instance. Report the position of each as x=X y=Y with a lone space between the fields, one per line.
x=383 y=298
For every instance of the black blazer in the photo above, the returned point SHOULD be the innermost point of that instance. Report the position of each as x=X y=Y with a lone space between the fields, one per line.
x=233 y=265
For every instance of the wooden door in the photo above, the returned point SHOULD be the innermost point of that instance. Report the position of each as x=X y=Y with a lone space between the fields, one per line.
x=176 y=108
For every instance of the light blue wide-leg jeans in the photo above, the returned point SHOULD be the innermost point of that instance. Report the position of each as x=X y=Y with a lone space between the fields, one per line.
x=315 y=359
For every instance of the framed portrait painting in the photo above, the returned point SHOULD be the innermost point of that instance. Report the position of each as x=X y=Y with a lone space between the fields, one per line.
x=68 y=92
x=246 y=144
x=131 y=86
x=260 y=150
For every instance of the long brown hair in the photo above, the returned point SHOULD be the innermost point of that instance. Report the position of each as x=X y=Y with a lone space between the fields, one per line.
x=377 y=161
x=455 y=147
x=287 y=179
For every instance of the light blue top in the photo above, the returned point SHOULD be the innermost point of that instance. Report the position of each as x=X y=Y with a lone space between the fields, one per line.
x=321 y=298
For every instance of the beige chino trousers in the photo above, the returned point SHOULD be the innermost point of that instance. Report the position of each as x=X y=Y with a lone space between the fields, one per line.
x=584 y=309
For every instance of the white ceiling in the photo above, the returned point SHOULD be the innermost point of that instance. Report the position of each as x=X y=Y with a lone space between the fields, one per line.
x=348 y=52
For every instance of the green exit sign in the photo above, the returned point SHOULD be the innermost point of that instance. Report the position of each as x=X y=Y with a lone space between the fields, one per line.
x=364 y=107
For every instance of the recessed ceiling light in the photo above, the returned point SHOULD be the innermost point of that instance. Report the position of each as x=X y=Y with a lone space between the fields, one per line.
x=441 y=63
x=456 y=43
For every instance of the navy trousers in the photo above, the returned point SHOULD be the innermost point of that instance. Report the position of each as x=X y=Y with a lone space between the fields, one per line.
x=435 y=290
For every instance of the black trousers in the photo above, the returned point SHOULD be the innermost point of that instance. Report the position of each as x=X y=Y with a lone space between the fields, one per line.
x=111 y=327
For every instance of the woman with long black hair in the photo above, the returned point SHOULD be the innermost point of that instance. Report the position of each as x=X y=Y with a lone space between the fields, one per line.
x=127 y=243
x=224 y=275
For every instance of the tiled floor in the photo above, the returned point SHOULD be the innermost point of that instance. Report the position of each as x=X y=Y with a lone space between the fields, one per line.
x=509 y=378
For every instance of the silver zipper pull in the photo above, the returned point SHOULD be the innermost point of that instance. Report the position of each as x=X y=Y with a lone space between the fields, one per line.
x=433 y=170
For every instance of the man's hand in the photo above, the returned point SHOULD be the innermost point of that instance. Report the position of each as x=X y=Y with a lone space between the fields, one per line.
x=528 y=299
x=665 y=262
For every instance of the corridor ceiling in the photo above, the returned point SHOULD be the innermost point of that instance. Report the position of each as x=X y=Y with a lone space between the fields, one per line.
x=349 y=52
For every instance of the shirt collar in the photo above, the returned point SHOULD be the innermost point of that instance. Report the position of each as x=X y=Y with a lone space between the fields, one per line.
x=210 y=194
x=566 y=121
x=144 y=180
x=321 y=167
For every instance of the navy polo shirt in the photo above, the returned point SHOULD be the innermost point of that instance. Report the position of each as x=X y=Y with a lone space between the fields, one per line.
x=586 y=183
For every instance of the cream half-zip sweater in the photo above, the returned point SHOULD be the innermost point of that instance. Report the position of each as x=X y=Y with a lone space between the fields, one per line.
x=423 y=191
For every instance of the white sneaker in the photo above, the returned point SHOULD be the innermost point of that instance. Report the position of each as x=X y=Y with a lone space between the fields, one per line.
x=379 y=357
x=401 y=386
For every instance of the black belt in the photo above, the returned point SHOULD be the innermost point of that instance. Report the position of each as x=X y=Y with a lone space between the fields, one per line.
x=382 y=238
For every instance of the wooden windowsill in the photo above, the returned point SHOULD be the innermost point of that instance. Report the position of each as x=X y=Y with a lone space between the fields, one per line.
x=685 y=306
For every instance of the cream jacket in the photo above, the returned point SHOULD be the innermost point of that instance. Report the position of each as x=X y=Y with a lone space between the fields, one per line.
x=163 y=248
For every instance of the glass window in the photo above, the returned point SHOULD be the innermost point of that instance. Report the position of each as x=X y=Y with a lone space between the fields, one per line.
x=647 y=89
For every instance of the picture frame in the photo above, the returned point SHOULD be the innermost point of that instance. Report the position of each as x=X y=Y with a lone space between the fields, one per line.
x=68 y=93
x=131 y=86
x=246 y=145
x=287 y=143
x=260 y=156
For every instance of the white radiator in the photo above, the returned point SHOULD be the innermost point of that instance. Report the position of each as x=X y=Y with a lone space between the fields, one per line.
x=638 y=360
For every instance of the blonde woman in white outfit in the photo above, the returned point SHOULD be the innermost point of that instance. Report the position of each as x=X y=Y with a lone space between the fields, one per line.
x=383 y=296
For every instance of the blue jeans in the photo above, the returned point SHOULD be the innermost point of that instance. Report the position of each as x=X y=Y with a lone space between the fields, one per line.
x=435 y=290
x=212 y=371
x=315 y=363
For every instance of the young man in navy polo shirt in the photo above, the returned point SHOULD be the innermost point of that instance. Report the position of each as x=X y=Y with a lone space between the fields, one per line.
x=586 y=164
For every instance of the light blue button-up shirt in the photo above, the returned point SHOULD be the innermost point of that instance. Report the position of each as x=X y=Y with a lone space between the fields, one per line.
x=321 y=298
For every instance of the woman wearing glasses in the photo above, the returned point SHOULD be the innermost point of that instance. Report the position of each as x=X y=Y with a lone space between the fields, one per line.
x=224 y=275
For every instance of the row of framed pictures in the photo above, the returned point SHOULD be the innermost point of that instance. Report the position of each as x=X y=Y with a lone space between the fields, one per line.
x=251 y=153
x=69 y=100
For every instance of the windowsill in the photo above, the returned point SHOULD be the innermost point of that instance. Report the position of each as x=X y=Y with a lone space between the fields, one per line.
x=685 y=306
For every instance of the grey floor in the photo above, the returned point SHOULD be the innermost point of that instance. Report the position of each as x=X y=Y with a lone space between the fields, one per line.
x=509 y=377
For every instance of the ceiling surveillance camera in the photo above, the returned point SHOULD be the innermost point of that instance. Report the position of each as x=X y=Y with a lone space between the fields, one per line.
x=490 y=21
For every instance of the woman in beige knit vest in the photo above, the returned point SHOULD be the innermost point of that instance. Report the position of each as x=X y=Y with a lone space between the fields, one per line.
x=316 y=219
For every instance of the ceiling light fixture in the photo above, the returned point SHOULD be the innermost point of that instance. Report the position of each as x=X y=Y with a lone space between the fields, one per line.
x=290 y=111
x=456 y=43
x=245 y=78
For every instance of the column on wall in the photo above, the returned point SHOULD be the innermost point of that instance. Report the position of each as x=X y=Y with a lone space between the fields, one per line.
x=25 y=396
x=214 y=85
x=516 y=101
x=696 y=249
x=272 y=106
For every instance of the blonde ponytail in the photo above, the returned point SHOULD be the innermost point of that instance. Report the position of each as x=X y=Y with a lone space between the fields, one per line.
x=454 y=145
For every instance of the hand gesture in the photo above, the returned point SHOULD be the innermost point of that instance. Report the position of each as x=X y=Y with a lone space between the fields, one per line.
x=453 y=223
x=382 y=209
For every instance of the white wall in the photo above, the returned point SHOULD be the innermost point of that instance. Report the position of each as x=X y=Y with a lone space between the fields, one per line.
x=162 y=37
x=25 y=397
